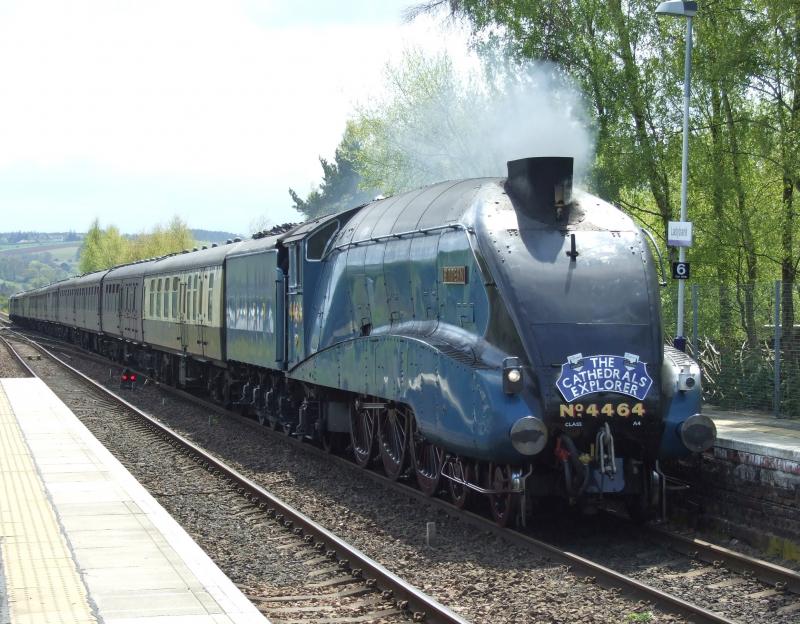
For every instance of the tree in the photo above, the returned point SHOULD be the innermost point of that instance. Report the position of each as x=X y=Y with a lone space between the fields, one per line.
x=340 y=187
x=160 y=241
x=744 y=134
x=103 y=249
x=777 y=81
x=437 y=123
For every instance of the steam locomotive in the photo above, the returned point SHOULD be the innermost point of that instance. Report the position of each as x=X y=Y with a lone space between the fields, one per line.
x=494 y=338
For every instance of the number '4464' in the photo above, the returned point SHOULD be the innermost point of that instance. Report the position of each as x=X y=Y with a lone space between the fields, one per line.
x=595 y=410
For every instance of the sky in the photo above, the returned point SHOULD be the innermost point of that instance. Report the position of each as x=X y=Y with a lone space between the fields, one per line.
x=134 y=111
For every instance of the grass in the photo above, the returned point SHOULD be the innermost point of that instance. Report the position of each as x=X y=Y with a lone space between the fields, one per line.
x=643 y=616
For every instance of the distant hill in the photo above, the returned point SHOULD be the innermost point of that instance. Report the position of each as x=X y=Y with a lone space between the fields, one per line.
x=32 y=238
x=39 y=238
x=213 y=236
x=35 y=260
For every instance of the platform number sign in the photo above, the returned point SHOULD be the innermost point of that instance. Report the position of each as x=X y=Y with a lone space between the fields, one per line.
x=680 y=270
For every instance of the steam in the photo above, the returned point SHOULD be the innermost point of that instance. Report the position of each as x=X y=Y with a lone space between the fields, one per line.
x=539 y=113
x=470 y=125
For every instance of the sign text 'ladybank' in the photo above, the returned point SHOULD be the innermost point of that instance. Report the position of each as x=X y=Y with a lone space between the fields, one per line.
x=679 y=234
x=603 y=373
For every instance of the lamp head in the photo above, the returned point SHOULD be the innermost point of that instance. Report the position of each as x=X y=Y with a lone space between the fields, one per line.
x=677 y=8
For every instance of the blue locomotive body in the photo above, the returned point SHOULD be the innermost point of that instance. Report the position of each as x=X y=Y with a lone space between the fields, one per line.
x=498 y=336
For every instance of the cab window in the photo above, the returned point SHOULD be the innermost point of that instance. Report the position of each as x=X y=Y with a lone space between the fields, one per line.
x=318 y=242
x=296 y=266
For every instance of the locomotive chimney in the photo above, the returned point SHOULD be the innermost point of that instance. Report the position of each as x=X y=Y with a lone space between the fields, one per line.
x=541 y=187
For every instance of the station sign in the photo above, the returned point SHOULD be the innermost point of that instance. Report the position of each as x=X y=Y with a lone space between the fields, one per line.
x=679 y=234
x=680 y=270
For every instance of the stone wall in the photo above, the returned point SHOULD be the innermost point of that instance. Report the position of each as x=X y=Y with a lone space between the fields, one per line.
x=742 y=495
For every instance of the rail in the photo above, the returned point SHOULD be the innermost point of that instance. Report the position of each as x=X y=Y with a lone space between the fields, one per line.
x=20 y=360
x=763 y=571
x=424 y=607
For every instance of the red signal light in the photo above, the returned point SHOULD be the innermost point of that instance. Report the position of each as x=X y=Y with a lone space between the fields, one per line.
x=124 y=378
x=133 y=377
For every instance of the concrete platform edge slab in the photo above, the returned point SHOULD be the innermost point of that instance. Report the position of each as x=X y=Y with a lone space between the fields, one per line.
x=25 y=392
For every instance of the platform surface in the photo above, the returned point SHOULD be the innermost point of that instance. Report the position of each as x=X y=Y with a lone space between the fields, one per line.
x=81 y=541
x=757 y=433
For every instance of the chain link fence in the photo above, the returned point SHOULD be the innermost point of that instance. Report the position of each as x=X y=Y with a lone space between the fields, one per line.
x=747 y=341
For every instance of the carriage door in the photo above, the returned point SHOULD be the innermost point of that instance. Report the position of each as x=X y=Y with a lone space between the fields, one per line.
x=201 y=314
x=295 y=338
x=120 y=325
x=182 y=313
x=123 y=310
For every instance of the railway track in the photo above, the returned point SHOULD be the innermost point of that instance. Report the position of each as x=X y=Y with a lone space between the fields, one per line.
x=19 y=362
x=339 y=579
x=680 y=566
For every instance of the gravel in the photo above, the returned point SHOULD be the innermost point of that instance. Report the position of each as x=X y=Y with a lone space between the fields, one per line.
x=477 y=574
x=261 y=557
x=737 y=596
x=9 y=366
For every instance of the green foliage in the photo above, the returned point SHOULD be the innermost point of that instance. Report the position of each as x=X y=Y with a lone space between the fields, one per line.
x=101 y=249
x=26 y=266
x=104 y=248
x=161 y=240
x=341 y=188
x=640 y=616
x=744 y=168
x=399 y=143
x=437 y=122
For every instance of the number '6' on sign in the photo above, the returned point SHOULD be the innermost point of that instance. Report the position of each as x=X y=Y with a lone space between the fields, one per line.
x=680 y=270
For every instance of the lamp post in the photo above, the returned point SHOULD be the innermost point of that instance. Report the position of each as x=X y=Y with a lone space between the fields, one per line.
x=687 y=10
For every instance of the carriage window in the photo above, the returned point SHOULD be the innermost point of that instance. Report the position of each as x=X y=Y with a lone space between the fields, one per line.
x=152 y=298
x=158 y=298
x=194 y=299
x=210 y=297
x=200 y=299
x=165 y=311
x=175 y=297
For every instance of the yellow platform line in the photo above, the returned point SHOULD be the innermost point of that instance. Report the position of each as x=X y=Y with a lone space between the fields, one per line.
x=42 y=582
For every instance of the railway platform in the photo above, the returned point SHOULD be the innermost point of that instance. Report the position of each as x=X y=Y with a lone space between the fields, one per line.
x=82 y=541
x=757 y=439
x=748 y=486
